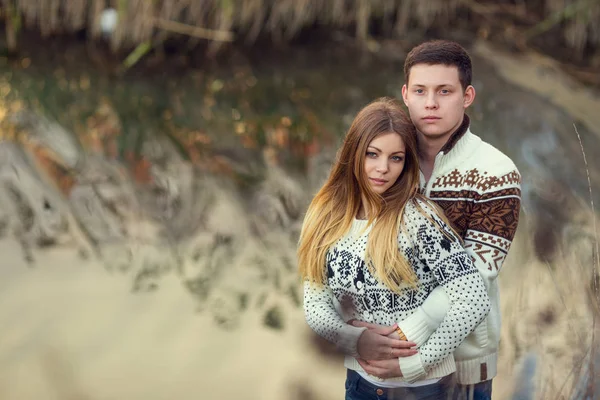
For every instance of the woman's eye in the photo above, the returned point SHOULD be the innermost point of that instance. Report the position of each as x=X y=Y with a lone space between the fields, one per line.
x=371 y=154
x=397 y=158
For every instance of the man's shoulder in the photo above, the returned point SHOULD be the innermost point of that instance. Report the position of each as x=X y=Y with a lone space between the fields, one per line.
x=489 y=159
x=485 y=169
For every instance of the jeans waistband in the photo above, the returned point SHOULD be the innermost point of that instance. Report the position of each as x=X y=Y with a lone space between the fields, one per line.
x=398 y=392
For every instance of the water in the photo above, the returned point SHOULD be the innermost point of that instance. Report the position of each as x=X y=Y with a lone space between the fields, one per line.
x=200 y=176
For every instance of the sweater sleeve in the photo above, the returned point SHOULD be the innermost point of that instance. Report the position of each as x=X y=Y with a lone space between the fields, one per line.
x=454 y=272
x=493 y=222
x=491 y=228
x=426 y=319
x=324 y=319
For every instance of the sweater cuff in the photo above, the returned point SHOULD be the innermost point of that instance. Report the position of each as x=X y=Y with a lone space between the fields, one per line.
x=417 y=327
x=348 y=339
x=412 y=368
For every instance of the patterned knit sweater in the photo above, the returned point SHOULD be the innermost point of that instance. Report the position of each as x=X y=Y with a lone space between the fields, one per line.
x=479 y=189
x=352 y=292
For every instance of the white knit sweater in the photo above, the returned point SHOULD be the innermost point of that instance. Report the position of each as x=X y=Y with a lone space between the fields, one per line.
x=479 y=189
x=352 y=292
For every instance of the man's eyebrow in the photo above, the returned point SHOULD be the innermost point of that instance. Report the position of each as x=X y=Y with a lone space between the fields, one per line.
x=438 y=86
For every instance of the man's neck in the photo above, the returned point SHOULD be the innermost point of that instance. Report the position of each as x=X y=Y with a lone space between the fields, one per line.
x=428 y=150
x=430 y=147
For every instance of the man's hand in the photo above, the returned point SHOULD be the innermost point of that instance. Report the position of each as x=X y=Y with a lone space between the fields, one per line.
x=376 y=344
x=382 y=369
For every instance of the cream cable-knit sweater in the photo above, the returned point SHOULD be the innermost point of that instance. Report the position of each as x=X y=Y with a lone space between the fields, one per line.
x=479 y=189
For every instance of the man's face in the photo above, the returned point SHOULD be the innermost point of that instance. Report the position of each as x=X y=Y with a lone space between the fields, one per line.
x=435 y=99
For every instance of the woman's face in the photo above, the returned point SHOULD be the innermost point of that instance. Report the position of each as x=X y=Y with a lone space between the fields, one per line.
x=384 y=161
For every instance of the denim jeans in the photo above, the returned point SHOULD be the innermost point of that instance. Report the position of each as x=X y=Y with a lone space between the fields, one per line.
x=479 y=391
x=358 y=388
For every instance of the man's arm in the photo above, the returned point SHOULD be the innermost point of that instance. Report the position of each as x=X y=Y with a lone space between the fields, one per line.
x=492 y=226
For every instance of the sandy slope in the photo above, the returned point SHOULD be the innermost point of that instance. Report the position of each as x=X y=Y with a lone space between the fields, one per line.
x=71 y=330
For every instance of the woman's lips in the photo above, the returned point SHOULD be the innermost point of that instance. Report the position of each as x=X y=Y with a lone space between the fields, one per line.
x=378 y=181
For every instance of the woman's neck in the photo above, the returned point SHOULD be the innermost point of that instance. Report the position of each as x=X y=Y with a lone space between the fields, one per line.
x=363 y=212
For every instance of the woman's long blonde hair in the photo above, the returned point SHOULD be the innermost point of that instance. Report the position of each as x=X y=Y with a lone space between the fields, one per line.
x=332 y=211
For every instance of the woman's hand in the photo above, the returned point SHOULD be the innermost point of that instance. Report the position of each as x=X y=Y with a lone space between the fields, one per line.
x=375 y=344
x=382 y=369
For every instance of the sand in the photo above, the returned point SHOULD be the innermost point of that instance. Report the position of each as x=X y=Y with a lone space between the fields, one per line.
x=71 y=330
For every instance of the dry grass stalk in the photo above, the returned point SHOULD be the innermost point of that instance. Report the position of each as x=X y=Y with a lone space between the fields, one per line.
x=281 y=19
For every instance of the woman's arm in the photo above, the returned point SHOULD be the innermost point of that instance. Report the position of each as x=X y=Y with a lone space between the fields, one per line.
x=427 y=318
x=323 y=318
x=374 y=344
x=459 y=279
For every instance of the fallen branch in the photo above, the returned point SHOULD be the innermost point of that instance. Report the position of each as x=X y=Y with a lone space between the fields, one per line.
x=137 y=53
x=185 y=29
x=566 y=13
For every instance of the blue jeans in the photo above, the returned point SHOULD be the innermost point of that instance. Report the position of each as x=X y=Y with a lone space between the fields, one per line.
x=358 y=388
x=479 y=391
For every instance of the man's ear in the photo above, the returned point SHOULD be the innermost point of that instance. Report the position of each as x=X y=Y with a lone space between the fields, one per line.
x=469 y=96
x=404 y=91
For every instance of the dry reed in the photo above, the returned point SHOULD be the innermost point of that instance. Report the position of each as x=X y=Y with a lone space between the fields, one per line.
x=282 y=20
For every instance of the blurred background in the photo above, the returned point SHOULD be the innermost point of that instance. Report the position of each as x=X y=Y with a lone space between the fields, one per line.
x=156 y=159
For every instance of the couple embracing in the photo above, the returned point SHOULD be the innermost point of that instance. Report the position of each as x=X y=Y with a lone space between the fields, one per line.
x=401 y=248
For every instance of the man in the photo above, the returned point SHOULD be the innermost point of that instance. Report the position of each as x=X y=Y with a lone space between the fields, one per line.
x=478 y=188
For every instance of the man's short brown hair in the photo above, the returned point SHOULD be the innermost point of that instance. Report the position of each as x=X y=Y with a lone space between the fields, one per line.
x=443 y=52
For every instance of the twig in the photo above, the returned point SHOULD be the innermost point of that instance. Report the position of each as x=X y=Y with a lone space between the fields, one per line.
x=595 y=260
x=13 y=27
x=587 y=171
x=185 y=29
x=562 y=300
x=575 y=365
x=133 y=57
x=491 y=11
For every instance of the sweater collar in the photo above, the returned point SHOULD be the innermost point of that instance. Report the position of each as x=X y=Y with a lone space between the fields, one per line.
x=461 y=145
x=459 y=133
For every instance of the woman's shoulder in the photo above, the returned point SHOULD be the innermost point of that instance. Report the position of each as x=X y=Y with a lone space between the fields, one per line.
x=422 y=216
x=421 y=209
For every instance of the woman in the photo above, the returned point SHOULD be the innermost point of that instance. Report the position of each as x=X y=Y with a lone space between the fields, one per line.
x=372 y=249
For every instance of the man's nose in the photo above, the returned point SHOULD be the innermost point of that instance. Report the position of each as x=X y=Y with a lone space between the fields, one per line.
x=431 y=101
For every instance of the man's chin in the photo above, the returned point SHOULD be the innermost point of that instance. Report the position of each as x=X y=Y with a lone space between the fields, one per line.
x=432 y=133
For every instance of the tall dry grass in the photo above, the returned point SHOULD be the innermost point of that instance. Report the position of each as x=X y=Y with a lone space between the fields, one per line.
x=282 y=20
x=550 y=304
